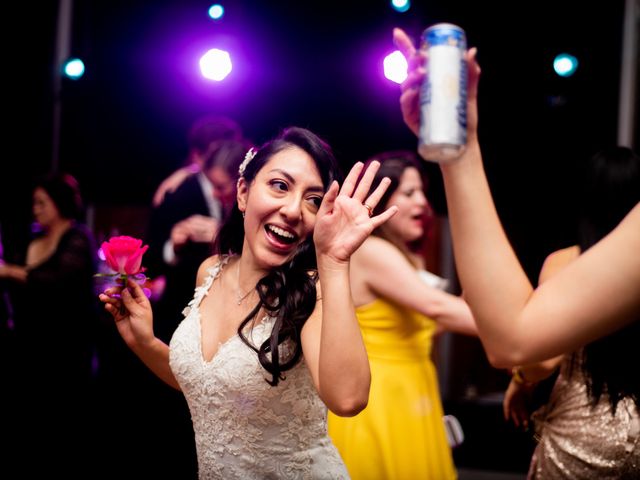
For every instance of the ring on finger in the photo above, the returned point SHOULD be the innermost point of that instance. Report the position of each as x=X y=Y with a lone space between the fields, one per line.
x=369 y=209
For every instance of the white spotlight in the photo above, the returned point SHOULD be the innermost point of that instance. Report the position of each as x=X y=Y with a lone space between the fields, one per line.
x=395 y=67
x=215 y=64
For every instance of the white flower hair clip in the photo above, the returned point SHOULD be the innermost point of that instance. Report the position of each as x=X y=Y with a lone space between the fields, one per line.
x=247 y=158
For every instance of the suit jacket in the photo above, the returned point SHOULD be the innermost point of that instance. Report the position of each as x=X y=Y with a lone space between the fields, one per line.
x=188 y=199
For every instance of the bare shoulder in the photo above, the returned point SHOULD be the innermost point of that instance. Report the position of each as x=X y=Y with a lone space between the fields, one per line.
x=557 y=260
x=204 y=267
x=563 y=256
x=37 y=244
x=34 y=246
x=374 y=266
x=376 y=252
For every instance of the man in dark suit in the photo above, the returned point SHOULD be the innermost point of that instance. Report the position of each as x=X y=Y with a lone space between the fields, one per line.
x=182 y=229
x=204 y=131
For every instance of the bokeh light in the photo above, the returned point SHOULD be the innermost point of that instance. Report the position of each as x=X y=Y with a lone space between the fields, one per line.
x=395 y=67
x=401 y=5
x=565 y=65
x=215 y=64
x=216 y=11
x=74 y=68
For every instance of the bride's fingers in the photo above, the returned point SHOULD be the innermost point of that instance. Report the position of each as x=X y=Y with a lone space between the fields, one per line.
x=112 y=306
x=107 y=298
x=112 y=291
x=349 y=184
x=384 y=216
x=364 y=185
x=329 y=199
x=373 y=199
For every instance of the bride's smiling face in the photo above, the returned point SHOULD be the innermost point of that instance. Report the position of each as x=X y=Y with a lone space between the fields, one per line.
x=280 y=206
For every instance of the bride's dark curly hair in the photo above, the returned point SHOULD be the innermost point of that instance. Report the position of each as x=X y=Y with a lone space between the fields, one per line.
x=287 y=292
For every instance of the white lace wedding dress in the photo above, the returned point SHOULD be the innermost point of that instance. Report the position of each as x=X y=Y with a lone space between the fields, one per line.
x=244 y=427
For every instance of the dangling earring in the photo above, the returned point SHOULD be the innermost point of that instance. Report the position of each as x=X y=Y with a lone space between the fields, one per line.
x=242 y=214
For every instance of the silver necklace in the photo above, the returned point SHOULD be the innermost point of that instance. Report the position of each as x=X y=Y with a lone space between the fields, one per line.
x=239 y=296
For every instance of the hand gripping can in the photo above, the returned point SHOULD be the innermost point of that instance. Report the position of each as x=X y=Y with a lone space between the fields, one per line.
x=443 y=94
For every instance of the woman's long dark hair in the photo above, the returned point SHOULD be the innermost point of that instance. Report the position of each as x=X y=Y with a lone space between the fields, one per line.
x=611 y=189
x=288 y=292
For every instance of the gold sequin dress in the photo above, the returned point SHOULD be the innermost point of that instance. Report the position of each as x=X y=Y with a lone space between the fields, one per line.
x=581 y=441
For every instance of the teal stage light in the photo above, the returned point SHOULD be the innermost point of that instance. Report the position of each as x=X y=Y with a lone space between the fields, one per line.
x=74 y=68
x=401 y=5
x=565 y=65
x=216 y=11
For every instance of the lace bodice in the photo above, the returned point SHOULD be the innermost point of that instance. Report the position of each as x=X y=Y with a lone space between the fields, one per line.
x=244 y=427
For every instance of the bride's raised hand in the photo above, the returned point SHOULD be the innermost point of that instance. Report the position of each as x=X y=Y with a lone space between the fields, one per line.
x=345 y=219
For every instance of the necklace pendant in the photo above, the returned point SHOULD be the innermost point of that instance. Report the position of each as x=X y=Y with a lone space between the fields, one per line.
x=239 y=296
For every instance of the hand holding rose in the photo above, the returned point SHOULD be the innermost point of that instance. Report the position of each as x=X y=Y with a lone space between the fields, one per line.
x=123 y=256
x=132 y=312
x=128 y=302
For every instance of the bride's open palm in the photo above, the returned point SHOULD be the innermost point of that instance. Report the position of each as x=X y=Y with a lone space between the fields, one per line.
x=344 y=219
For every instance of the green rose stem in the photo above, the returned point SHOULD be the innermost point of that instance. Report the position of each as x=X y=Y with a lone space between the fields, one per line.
x=123 y=279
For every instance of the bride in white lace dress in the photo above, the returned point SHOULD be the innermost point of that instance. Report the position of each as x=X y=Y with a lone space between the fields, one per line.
x=270 y=339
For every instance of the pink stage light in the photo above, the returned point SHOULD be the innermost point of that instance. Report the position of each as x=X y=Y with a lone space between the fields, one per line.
x=215 y=64
x=395 y=67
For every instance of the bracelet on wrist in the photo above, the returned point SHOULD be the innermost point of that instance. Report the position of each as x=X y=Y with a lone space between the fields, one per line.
x=517 y=375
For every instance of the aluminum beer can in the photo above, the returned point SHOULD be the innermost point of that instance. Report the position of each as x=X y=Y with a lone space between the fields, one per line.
x=443 y=94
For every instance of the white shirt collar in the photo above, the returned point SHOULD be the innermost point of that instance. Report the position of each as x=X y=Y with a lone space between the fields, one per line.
x=215 y=209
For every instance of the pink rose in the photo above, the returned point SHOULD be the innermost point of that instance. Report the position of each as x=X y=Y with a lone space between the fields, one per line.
x=124 y=254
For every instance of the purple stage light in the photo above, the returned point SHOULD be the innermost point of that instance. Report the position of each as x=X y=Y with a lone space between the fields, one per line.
x=395 y=67
x=215 y=64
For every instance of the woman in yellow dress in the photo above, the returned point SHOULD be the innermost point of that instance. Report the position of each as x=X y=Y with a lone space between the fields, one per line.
x=400 y=307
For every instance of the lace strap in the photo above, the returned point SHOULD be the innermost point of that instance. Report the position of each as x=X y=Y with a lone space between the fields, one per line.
x=202 y=290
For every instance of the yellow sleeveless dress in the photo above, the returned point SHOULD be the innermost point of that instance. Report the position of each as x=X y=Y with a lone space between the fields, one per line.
x=400 y=435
